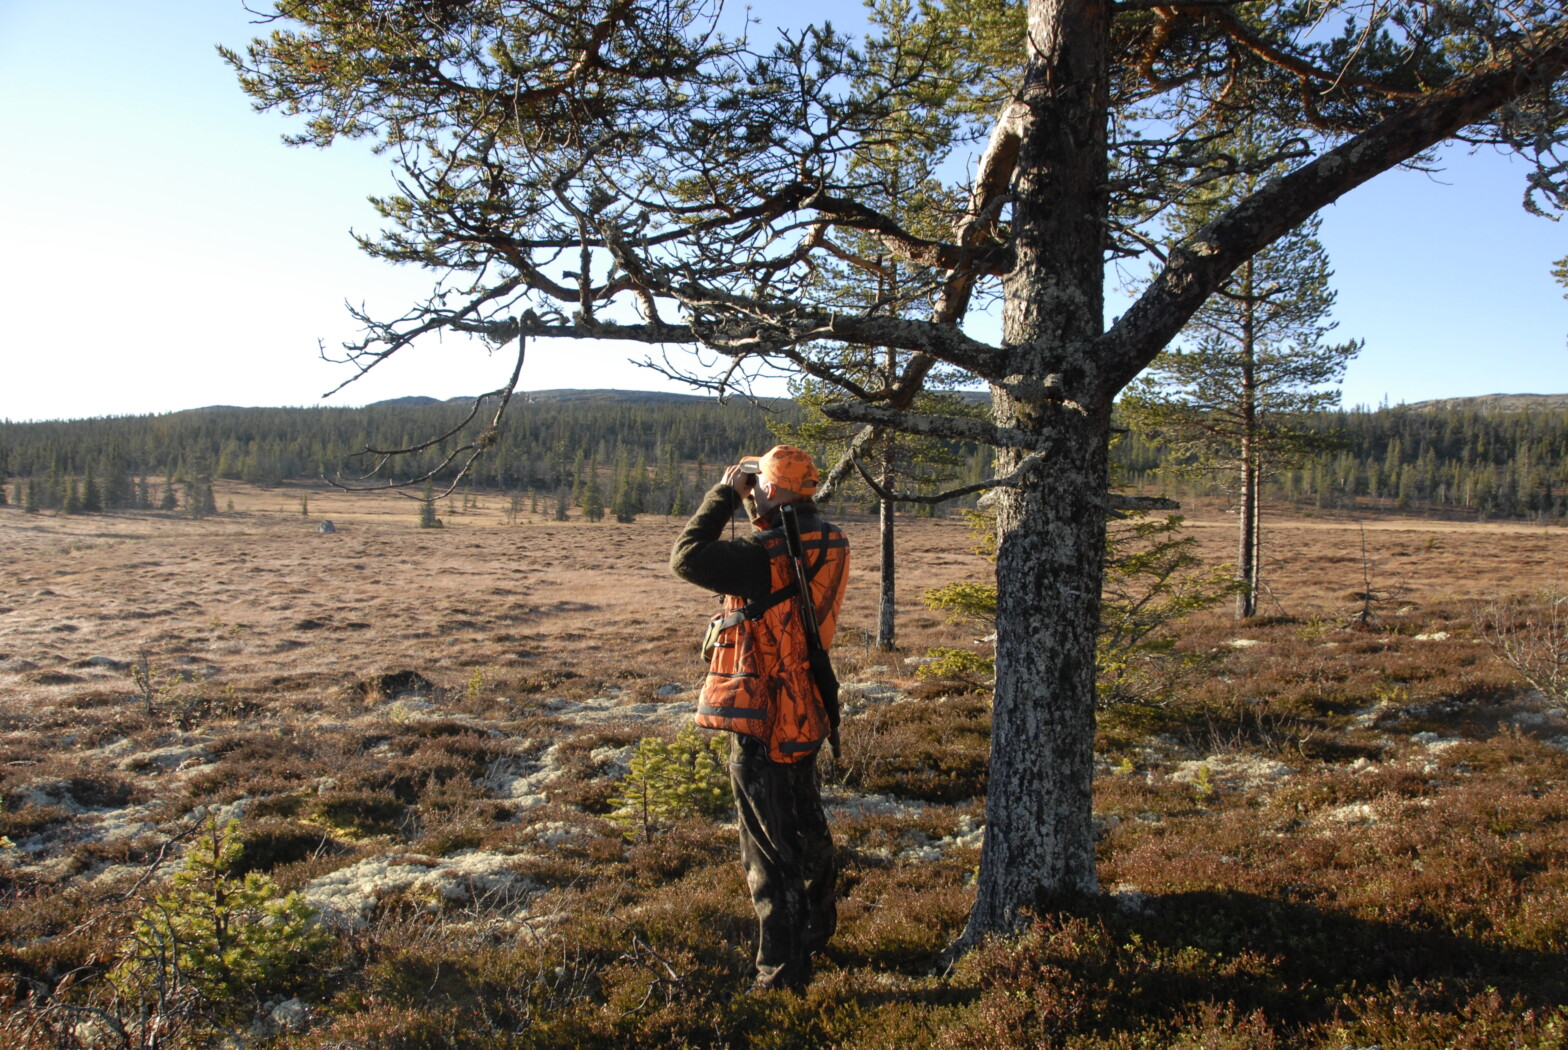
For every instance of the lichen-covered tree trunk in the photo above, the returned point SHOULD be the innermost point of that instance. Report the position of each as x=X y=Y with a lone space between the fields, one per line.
x=1039 y=842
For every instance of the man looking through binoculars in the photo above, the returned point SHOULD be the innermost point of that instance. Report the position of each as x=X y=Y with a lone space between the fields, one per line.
x=770 y=684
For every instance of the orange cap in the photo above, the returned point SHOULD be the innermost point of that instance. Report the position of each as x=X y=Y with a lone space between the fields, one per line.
x=788 y=467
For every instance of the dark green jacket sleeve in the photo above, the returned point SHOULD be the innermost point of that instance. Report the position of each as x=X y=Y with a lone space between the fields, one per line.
x=702 y=556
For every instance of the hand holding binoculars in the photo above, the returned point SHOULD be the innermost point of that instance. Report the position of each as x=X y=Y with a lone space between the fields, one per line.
x=749 y=469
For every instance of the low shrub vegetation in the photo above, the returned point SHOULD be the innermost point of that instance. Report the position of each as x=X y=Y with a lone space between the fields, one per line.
x=1309 y=838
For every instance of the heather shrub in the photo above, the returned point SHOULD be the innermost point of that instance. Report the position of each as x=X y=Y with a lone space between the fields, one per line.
x=358 y=813
x=936 y=750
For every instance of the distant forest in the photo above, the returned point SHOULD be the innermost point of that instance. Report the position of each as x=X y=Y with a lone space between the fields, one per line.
x=629 y=453
x=1433 y=459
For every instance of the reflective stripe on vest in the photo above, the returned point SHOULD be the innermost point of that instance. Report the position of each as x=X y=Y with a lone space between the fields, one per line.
x=759 y=682
x=732 y=712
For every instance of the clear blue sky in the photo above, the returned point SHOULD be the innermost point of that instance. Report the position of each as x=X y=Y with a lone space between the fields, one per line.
x=163 y=250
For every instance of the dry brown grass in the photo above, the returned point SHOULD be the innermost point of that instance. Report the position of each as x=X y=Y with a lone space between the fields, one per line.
x=261 y=603
x=1313 y=831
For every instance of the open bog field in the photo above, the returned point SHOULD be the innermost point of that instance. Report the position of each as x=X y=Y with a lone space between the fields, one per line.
x=1311 y=836
x=266 y=605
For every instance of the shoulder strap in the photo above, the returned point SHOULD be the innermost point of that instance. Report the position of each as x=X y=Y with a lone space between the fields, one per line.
x=753 y=610
x=774 y=545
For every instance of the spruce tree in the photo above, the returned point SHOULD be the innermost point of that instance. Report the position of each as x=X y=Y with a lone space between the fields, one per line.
x=92 y=498
x=55 y=493
x=118 y=489
x=593 y=498
x=624 y=502
x=427 y=508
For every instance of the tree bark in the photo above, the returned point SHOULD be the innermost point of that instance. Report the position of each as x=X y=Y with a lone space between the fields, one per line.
x=1246 y=554
x=885 y=519
x=885 y=628
x=1039 y=843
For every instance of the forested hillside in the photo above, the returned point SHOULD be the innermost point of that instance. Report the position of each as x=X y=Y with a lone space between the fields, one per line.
x=655 y=452
x=548 y=440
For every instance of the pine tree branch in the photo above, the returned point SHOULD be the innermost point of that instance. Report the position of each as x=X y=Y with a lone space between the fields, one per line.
x=989 y=193
x=1017 y=479
x=958 y=428
x=1120 y=504
x=475 y=448
x=1202 y=262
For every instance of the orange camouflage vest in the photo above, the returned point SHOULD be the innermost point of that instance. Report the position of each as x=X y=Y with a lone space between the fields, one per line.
x=759 y=680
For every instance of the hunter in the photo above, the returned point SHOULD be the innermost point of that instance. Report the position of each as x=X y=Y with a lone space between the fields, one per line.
x=769 y=683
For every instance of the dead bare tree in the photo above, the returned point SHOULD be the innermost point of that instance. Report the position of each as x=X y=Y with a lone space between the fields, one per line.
x=1529 y=633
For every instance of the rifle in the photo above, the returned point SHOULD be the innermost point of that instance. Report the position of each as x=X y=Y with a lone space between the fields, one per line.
x=817 y=656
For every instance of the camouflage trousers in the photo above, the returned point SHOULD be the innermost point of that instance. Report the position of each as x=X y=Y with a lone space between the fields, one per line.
x=788 y=855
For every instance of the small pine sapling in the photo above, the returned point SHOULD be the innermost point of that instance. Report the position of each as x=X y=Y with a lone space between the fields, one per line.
x=230 y=940
x=1153 y=578
x=686 y=777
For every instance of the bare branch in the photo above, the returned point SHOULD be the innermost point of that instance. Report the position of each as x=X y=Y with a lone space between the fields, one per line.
x=958 y=428
x=475 y=448
x=1017 y=479
x=847 y=461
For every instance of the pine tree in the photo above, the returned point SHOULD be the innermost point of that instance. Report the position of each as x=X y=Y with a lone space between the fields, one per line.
x=1254 y=358
x=55 y=493
x=624 y=503
x=118 y=489
x=233 y=937
x=706 y=181
x=685 y=777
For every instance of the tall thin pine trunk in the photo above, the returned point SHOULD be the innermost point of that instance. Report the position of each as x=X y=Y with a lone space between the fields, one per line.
x=885 y=609
x=1247 y=527
x=885 y=617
